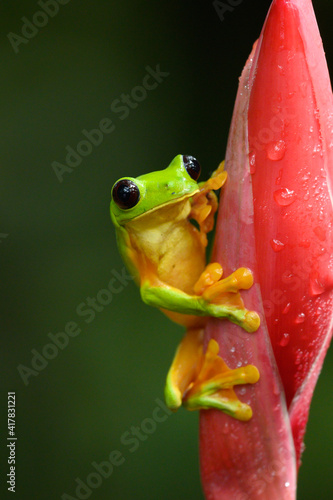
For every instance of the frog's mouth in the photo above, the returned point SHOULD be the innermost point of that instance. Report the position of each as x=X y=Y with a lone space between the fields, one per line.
x=170 y=204
x=163 y=216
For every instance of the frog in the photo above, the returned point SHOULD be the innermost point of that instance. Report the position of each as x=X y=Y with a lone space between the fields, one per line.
x=162 y=219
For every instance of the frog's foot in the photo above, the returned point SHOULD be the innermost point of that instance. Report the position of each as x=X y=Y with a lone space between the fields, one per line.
x=213 y=387
x=203 y=381
x=223 y=296
x=205 y=204
x=215 y=181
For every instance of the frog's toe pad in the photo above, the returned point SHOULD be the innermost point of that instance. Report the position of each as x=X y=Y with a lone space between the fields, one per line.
x=172 y=396
x=211 y=275
x=251 y=321
x=241 y=279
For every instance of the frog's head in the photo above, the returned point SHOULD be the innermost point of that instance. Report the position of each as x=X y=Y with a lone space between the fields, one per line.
x=132 y=197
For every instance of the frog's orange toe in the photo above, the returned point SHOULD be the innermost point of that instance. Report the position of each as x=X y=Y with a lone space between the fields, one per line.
x=213 y=387
x=211 y=275
x=201 y=381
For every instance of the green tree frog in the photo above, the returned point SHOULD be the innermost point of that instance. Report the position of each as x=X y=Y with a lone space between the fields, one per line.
x=166 y=253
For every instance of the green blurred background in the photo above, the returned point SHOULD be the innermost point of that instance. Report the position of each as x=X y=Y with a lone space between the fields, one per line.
x=60 y=247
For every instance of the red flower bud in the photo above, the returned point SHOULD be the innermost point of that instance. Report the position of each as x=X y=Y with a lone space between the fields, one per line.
x=276 y=218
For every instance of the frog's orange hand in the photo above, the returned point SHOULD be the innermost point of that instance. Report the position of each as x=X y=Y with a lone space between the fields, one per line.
x=203 y=381
x=205 y=204
x=216 y=290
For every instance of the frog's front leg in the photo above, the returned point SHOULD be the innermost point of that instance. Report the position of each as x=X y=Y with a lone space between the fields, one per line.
x=212 y=297
x=203 y=380
x=221 y=292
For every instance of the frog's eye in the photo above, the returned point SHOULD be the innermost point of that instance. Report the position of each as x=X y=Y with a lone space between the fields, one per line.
x=192 y=166
x=125 y=193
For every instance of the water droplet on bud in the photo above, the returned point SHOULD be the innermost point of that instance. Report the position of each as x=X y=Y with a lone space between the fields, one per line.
x=300 y=318
x=284 y=340
x=286 y=308
x=277 y=245
x=278 y=179
x=276 y=150
x=316 y=288
x=284 y=197
x=252 y=161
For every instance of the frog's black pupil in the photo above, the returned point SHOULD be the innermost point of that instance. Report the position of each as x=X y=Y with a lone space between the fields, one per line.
x=126 y=194
x=192 y=166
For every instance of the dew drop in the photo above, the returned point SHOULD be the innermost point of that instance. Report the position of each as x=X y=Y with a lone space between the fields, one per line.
x=306 y=176
x=298 y=358
x=276 y=150
x=286 y=308
x=277 y=245
x=281 y=70
x=284 y=340
x=278 y=179
x=252 y=161
x=287 y=484
x=232 y=349
x=318 y=312
x=300 y=318
x=284 y=197
x=316 y=288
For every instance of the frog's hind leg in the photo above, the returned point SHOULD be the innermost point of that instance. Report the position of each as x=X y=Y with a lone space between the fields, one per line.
x=214 y=385
x=185 y=367
x=203 y=380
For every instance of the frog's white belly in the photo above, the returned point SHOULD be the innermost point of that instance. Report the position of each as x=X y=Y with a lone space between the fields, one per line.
x=171 y=243
x=176 y=254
